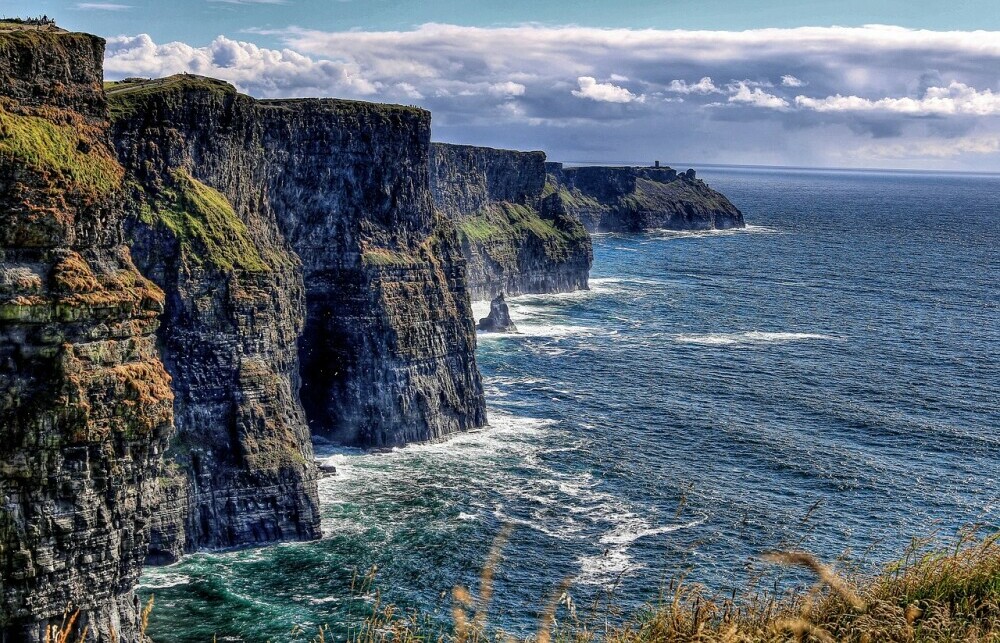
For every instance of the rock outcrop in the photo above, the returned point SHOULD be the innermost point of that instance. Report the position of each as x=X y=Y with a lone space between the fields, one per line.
x=634 y=199
x=242 y=468
x=516 y=238
x=85 y=403
x=498 y=321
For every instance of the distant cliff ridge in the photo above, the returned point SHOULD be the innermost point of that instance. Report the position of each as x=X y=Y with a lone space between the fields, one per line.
x=633 y=199
x=515 y=238
x=85 y=403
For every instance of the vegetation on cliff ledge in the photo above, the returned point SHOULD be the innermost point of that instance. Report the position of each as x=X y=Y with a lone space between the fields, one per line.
x=58 y=144
x=128 y=97
x=204 y=224
x=652 y=195
x=508 y=221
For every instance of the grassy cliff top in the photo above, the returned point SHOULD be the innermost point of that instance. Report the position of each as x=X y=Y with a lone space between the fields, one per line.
x=476 y=149
x=342 y=105
x=125 y=95
x=183 y=82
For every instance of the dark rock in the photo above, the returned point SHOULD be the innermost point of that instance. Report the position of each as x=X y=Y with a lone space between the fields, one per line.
x=516 y=235
x=634 y=199
x=85 y=403
x=243 y=469
x=388 y=350
x=498 y=321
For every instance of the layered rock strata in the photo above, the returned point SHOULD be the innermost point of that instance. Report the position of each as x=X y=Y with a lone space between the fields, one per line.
x=634 y=199
x=242 y=469
x=388 y=351
x=387 y=348
x=516 y=238
x=85 y=403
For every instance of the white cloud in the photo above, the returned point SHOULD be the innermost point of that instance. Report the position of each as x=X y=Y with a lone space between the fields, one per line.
x=102 y=6
x=507 y=88
x=604 y=92
x=703 y=86
x=250 y=1
x=957 y=98
x=746 y=93
x=541 y=92
x=262 y=72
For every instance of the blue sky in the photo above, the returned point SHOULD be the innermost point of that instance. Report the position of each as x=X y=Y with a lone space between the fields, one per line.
x=844 y=84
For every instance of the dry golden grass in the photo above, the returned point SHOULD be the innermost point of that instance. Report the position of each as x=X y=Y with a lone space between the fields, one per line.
x=929 y=596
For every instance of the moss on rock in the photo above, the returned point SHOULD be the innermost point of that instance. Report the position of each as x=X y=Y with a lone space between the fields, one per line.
x=57 y=148
x=204 y=224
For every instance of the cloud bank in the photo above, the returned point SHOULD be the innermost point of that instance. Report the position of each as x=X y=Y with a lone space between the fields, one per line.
x=816 y=96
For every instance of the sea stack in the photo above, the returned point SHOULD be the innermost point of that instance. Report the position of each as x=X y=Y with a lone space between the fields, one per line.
x=498 y=321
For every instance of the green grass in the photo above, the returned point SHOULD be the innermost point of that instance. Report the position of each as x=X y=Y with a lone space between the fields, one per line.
x=573 y=199
x=500 y=225
x=205 y=225
x=55 y=148
x=510 y=219
x=129 y=97
x=388 y=258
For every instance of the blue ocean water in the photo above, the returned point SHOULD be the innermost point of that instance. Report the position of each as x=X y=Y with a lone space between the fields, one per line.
x=826 y=379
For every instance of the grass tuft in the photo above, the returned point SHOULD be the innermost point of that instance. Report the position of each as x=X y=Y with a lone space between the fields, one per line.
x=52 y=147
x=204 y=224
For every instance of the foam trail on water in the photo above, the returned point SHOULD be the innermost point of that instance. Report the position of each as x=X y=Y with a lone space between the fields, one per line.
x=748 y=338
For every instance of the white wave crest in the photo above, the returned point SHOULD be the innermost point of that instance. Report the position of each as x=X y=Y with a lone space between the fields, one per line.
x=748 y=338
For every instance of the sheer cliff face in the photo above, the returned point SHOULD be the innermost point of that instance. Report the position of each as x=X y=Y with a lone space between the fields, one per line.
x=241 y=466
x=633 y=199
x=388 y=352
x=335 y=250
x=85 y=403
x=516 y=237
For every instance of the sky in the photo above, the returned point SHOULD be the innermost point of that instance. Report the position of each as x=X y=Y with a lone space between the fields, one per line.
x=862 y=84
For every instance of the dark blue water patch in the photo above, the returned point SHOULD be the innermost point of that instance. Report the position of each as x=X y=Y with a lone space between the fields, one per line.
x=837 y=360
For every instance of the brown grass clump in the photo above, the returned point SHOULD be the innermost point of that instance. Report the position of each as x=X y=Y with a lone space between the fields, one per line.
x=929 y=596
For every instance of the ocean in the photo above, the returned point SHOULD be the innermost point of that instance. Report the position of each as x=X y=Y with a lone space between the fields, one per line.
x=826 y=379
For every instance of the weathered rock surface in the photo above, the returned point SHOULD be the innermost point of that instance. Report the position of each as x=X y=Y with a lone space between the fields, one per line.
x=388 y=352
x=242 y=468
x=516 y=238
x=498 y=321
x=85 y=403
x=633 y=199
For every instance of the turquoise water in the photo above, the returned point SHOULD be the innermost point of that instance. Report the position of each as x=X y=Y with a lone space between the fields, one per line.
x=827 y=378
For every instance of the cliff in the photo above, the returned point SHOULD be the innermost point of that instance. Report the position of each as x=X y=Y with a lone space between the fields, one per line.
x=335 y=216
x=242 y=467
x=633 y=199
x=388 y=351
x=516 y=238
x=85 y=403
